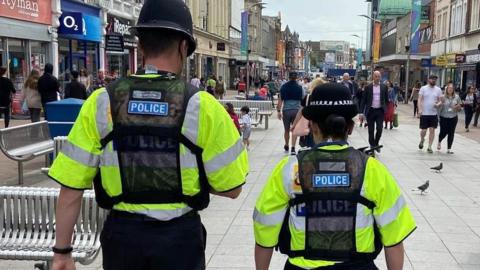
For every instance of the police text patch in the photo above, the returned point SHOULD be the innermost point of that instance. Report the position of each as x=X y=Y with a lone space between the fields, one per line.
x=148 y=108
x=331 y=180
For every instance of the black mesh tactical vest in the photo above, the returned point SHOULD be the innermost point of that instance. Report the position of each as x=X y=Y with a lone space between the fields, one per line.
x=331 y=183
x=147 y=115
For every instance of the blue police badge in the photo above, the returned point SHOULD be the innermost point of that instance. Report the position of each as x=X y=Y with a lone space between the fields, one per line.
x=142 y=107
x=329 y=180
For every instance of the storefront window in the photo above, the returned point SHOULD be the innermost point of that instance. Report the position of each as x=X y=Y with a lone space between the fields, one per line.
x=2 y=52
x=18 y=67
x=118 y=64
x=38 y=56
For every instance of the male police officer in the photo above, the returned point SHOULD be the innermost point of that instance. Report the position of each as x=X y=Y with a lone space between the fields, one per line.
x=332 y=207
x=154 y=149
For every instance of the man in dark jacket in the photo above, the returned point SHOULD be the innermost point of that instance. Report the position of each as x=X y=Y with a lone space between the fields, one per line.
x=375 y=100
x=48 y=86
x=74 y=89
x=6 y=91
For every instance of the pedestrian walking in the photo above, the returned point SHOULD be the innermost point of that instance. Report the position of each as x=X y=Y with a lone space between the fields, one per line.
x=246 y=126
x=375 y=100
x=331 y=207
x=477 y=110
x=48 y=86
x=32 y=96
x=6 y=91
x=361 y=109
x=301 y=126
x=195 y=81
x=100 y=81
x=348 y=83
x=289 y=103
x=211 y=84
x=144 y=143
x=451 y=105
x=231 y=111
x=392 y=103
x=414 y=97
x=85 y=79
x=469 y=106
x=429 y=101
x=75 y=89
x=220 y=88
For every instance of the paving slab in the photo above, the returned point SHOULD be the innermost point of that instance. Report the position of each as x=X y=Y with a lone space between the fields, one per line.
x=448 y=216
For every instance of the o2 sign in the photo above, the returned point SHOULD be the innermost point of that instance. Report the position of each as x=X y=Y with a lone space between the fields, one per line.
x=72 y=23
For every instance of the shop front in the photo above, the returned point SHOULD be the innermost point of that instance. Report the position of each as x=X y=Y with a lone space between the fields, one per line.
x=25 y=40
x=469 y=68
x=120 y=47
x=80 y=34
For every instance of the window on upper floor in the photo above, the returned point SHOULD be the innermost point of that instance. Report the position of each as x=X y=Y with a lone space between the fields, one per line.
x=438 y=27
x=458 y=17
x=475 y=15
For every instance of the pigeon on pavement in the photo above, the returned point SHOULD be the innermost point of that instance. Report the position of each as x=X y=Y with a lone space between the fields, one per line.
x=438 y=168
x=424 y=187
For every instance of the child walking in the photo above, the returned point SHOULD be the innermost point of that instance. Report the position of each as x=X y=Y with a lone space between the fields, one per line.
x=246 y=126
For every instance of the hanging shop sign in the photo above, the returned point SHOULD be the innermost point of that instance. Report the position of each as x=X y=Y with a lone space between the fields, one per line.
x=37 y=11
x=80 y=22
x=117 y=26
x=72 y=23
x=114 y=43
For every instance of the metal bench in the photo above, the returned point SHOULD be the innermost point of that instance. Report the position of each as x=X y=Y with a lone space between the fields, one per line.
x=27 y=226
x=265 y=108
x=26 y=142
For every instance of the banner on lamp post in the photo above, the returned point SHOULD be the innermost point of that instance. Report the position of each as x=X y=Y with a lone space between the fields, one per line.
x=377 y=37
x=244 y=41
x=416 y=19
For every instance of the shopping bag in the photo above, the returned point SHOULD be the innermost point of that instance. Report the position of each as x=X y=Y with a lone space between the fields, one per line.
x=395 y=120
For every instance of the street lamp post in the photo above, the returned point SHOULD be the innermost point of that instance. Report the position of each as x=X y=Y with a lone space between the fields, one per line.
x=373 y=20
x=407 y=75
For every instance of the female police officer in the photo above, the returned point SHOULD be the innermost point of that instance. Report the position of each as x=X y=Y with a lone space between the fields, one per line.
x=331 y=207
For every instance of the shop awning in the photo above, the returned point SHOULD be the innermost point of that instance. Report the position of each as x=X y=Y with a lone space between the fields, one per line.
x=390 y=9
x=401 y=58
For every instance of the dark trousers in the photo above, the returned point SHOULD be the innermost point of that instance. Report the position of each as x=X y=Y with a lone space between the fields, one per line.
x=6 y=114
x=34 y=114
x=477 y=114
x=415 y=107
x=351 y=266
x=447 y=128
x=468 y=115
x=129 y=243
x=375 y=119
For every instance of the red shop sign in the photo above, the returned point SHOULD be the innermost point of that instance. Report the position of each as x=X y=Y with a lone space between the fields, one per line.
x=38 y=11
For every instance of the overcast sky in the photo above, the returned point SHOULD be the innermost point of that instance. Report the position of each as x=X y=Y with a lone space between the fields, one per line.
x=322 y=19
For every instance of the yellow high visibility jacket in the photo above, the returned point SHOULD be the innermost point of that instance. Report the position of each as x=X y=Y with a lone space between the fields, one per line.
x=391 y=213
x=206 y=123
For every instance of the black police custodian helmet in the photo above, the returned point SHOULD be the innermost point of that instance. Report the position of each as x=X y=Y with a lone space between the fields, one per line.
x=327 y=99
x=167 y=14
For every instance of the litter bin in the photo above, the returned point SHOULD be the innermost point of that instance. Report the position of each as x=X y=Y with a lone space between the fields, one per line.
x=62 y=114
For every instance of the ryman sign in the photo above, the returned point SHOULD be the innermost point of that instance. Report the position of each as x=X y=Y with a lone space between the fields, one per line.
x=39 y=11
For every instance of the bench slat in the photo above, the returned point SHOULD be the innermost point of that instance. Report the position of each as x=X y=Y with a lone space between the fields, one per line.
x=28 y=225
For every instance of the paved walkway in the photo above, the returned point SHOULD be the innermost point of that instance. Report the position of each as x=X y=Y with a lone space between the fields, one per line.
x=448 y=217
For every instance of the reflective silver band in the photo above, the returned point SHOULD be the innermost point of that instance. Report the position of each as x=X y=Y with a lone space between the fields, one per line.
x=270 y=219
x=79 y=155
x=391 y=214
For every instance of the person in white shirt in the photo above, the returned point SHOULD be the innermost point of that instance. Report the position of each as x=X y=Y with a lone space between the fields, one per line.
x=195 y=81
x=246 y=126
x=429 y=100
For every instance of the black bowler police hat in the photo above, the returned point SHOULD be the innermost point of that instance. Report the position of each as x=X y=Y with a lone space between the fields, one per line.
x=328 y=99
x=167 y=14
